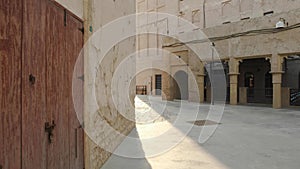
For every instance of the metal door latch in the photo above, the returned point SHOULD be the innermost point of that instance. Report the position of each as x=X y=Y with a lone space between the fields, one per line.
x=49 y=129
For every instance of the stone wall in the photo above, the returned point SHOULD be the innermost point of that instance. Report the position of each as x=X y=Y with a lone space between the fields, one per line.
x=109 y=125
x=210 y=13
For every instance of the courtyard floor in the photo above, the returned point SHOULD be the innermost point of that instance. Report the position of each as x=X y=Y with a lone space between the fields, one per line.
x=247 y=137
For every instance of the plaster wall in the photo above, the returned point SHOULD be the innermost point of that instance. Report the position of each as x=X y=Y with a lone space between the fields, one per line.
x=107 y=120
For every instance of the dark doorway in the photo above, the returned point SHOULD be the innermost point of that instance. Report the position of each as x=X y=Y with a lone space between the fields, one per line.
x=249 y=80
x=181 y=79
x=256 y=77
x=158 y=85
x=299 y=81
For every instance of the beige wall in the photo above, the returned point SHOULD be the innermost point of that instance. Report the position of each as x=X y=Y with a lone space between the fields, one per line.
x=97 y=14
x=217 y=12
x=75 y=6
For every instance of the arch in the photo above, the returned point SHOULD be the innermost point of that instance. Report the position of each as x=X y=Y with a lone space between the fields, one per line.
x=181 y=85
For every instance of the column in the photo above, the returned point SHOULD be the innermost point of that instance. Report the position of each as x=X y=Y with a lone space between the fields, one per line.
x=233 y=75
x=200 y=81
x=276 y=71
x=167 y=82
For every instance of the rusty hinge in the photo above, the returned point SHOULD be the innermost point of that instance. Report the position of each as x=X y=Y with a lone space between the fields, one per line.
x=81 y=30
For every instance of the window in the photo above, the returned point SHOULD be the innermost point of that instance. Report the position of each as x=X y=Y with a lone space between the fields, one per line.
x=196 y=16
x=158 y=84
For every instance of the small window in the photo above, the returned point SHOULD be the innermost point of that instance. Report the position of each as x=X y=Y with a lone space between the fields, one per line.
x=196 y=16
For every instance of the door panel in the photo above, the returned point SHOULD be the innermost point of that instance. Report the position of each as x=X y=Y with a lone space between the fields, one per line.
x=57 y=91
x=34 y=138
x=10 y=83
x=38 y=51
x=74 y=43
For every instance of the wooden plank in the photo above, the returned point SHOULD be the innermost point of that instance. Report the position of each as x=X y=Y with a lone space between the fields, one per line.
x=57 y=91
x=4 y=18
x=74 y=43
x=4 y=44
x=34 y=138
x=10 y=75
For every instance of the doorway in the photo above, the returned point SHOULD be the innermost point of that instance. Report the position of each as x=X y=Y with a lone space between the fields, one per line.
x=158 y=85
x=182 y=91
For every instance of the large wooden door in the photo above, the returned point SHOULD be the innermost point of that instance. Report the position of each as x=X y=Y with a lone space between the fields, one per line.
x=57 y=91
x=34 y=113
x=10 y=83
x=74 y=43
x=66 y=41
x=39 y=44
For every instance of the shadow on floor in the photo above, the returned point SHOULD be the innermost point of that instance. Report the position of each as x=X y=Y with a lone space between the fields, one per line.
x=119 y=162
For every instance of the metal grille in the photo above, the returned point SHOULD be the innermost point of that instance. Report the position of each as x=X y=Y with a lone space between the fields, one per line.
x=295 y=97
x=204 y=122
x=260 y=95
x=158 y=84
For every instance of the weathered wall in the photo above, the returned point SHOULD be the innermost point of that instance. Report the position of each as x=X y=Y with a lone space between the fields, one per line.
x=96 y=15
x=217 y=12
x=286 y=42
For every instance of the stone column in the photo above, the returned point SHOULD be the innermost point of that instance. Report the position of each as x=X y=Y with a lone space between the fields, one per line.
x=201 y=87
x=167 y=83
x=196 y=91
x=233 y=74
x=243 y=95
x=200 y=82
x=276 y=71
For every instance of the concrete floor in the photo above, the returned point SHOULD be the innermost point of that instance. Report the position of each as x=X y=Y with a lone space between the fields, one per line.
x=247 y=138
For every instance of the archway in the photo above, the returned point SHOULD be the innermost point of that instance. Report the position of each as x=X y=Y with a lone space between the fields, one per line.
x=181 y=85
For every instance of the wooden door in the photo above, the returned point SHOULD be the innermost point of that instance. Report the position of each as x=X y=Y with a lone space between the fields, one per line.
x=34 y=112
x=56 y=88
x=63 y=33
x=74 y=43
x=10 y=83
x=39 y=44
x=65 y=149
